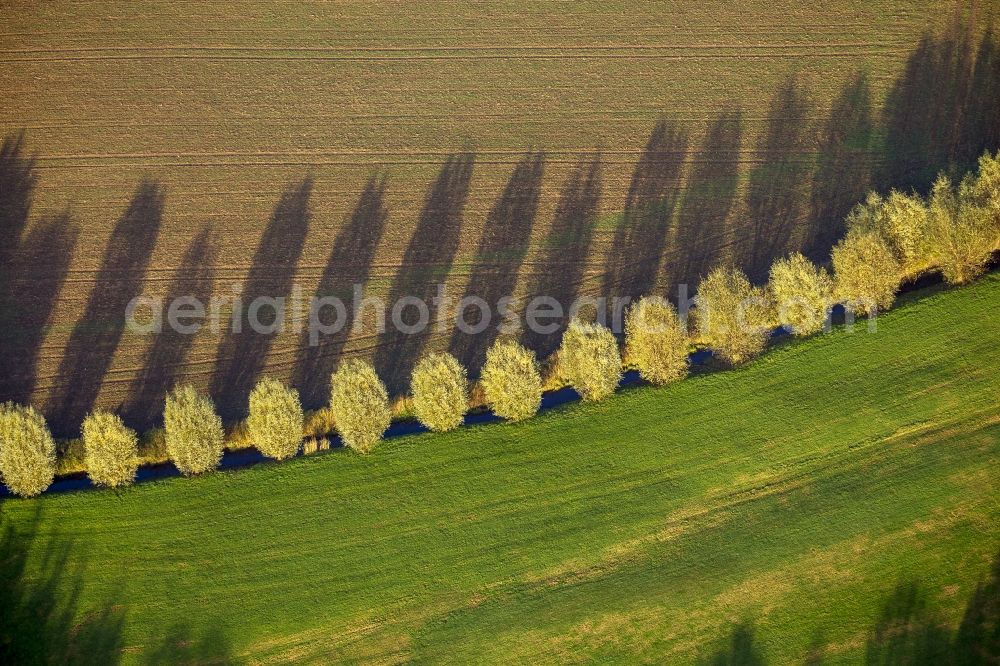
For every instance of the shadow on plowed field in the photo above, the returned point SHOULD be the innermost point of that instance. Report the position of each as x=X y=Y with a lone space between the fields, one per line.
x=632 y=265
x=843 y=171
x=242 y=353
x=502 y=249
x=164 y=360
x=686 y=209
x=943 y=110
x=708 y=199
x=560 y=269
x=425 y=264
x=775 y=199
x=349 y=263
x=96 y=335
x=32 y=272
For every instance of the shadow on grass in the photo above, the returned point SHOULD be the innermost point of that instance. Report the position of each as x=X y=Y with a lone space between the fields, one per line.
x=42 y=621
x=908 y=631
x=184 y=645
x=739 y=649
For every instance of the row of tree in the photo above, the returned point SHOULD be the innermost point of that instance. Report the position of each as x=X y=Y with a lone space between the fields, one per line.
x=954 y=230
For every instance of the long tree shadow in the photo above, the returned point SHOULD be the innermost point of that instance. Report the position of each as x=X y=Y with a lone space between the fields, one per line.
x=17 y=183
x=775 y=199
x=502 y=249
x=242 y=353
x=349 y=263
x=943 y=110
x=40 y=622
x=183 y=645
x=738 y=649
x=166 y=357
x=425 y=265
x=843 y=174
x=26 y=277
x=633 y=263
x=981 y=129
x=565 y=250
x=708 y=200
x=908 y=631
x=96 y=335
x=35 y=279
x=977 y=640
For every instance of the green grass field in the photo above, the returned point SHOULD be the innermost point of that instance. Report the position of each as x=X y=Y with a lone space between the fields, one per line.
x=786 y=499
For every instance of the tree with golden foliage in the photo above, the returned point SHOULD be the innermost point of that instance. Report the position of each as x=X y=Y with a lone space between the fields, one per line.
x=656 y=343
x=984 y=188
x=907 y=225
x=590 y=360
x=440 y=389
x=193 y=431
x=275 y=421
x=866 y=272
x=801 y=292
x=360 y=405
x=111 y=450
x=511 y=381
x=733 y=316
x=903 y=223
x=27 y=450
x=962 y=234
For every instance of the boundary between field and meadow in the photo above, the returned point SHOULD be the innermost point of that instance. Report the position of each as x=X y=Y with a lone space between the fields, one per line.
x=893 y=244
x=923 y=286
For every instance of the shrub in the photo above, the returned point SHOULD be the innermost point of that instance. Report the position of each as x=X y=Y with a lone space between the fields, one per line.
x=440 y=392
x=902 y=222
x=655 y=342
x=962 y=234
x=111 y=450
x=70 y=456
x=802 y=293
x=733 y=316
x=360 y=405
x=866 y=272
x=275 y=421
x=319 y=423
x=27 y=450
x=194 y=434
x=511 y=381
x=590 y=360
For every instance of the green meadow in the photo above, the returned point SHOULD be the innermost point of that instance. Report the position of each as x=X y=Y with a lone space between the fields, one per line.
x=773 y=512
